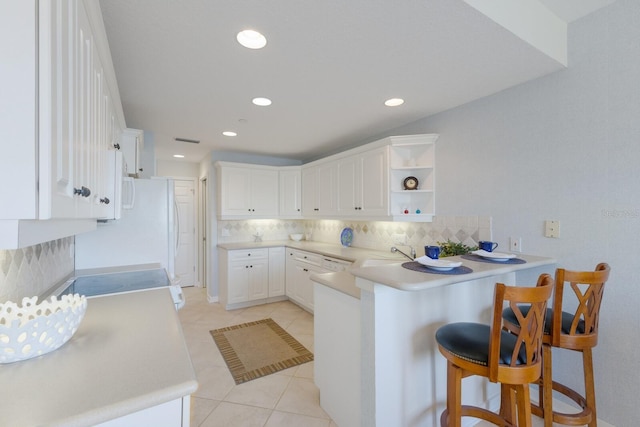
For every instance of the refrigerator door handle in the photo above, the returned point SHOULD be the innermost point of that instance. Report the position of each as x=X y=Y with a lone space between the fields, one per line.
x=177 y=222
x=128 y=196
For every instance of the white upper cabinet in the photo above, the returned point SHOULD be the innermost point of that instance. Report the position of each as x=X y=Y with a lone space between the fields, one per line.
x=247 y=191
x=59 y=115
x=290 y=192
x=319 y=184
x=131 y=145
x=363 y=185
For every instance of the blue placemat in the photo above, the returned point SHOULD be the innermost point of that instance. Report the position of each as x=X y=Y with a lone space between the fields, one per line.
x=478 y=258
x=416 y=266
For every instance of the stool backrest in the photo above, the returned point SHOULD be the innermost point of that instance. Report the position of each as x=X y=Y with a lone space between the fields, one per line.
x=588 y=288
x=526 y=358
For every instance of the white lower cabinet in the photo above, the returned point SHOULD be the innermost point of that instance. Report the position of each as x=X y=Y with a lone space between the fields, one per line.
x=300 y=265
x=251 y=276
x=276 y=272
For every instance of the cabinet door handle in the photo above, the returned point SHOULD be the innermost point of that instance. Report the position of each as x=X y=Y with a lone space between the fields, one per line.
x=116 y=146
x=83 y=191
x=304 y=269
x=105 y=200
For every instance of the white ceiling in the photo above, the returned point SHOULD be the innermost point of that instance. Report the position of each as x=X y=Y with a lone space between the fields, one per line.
x=328 y=67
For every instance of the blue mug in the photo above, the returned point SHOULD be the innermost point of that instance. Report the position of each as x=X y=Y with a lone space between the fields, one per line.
x=487 y=246
x=432 y=252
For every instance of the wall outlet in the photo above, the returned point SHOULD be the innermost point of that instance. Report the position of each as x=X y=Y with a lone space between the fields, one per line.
x=515 y=244
x=552 y=228
x=399 y=238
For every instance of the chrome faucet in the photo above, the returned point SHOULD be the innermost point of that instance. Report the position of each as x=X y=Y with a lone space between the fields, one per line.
x=413 y=252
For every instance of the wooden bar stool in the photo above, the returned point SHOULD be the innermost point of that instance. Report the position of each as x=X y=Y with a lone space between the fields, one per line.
x=577 y=331
x=491 y=352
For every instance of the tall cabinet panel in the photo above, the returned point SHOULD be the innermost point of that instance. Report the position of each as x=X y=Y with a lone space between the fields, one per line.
x=56 y=117
x=290 y=192
x=319 y=183
x=374 y=182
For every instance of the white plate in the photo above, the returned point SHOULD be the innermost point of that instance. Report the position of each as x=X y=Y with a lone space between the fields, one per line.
x=494 y=256
x=438 y=264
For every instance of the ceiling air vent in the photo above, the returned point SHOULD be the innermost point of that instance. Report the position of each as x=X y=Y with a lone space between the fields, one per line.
x=192 y=141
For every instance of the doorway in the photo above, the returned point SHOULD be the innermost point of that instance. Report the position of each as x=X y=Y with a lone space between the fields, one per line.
x=204 y=264
x=186 y=248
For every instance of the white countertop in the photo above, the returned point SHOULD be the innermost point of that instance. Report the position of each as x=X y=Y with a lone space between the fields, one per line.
x=128 y=354
x=389 y=271
x=396 y=276
x=328 y=249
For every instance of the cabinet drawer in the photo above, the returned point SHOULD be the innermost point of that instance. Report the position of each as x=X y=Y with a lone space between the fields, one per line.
x=307 y=257
x=248 y=254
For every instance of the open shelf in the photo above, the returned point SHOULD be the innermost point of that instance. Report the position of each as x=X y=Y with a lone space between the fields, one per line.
x=412 y=156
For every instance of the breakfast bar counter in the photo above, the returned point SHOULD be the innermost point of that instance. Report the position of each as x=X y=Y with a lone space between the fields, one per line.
x=401 y=378
x=127 y=364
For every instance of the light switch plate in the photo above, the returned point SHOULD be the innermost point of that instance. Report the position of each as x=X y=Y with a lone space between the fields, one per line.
x=515 y=244
x=552 y=228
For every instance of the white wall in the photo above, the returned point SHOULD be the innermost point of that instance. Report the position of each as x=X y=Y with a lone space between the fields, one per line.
x=177 y=168
x=564 y=147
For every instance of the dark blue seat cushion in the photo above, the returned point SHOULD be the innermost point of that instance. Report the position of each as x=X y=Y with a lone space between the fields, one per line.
x=470 y=341
x=567 y=318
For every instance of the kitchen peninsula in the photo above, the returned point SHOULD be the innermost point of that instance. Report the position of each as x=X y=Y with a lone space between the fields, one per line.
x=400 y=376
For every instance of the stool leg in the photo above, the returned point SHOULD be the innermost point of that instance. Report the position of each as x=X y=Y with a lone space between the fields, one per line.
x=546 y=402
x=524 y=405
x=589 y=386
x=454 y=395
x=507 y=403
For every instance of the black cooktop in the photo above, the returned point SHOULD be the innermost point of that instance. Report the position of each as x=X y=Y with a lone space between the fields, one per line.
x=102 y=284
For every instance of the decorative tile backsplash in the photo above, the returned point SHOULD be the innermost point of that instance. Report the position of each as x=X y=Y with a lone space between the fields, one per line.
x=377 y=235
x=33 y=270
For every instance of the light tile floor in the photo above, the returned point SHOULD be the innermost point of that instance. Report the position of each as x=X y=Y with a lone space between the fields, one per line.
x=286 y=398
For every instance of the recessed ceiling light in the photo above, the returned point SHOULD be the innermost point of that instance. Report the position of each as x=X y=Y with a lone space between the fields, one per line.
x=229 y=133
x=262 y=102
x=179 y=156
x=251 y=39
x=394 y=102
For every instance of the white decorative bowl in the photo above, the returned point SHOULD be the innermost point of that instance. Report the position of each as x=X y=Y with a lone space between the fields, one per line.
x=296 y=237
x=33 y=329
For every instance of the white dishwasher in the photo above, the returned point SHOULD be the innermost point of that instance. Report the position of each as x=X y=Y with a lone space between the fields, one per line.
x=300 y=266
x=334 y=265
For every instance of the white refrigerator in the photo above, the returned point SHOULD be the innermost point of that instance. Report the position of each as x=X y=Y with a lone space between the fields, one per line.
x=144 y=234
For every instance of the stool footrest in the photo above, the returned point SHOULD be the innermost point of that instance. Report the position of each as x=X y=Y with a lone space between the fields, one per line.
x=476 y=412
x=573 y=419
